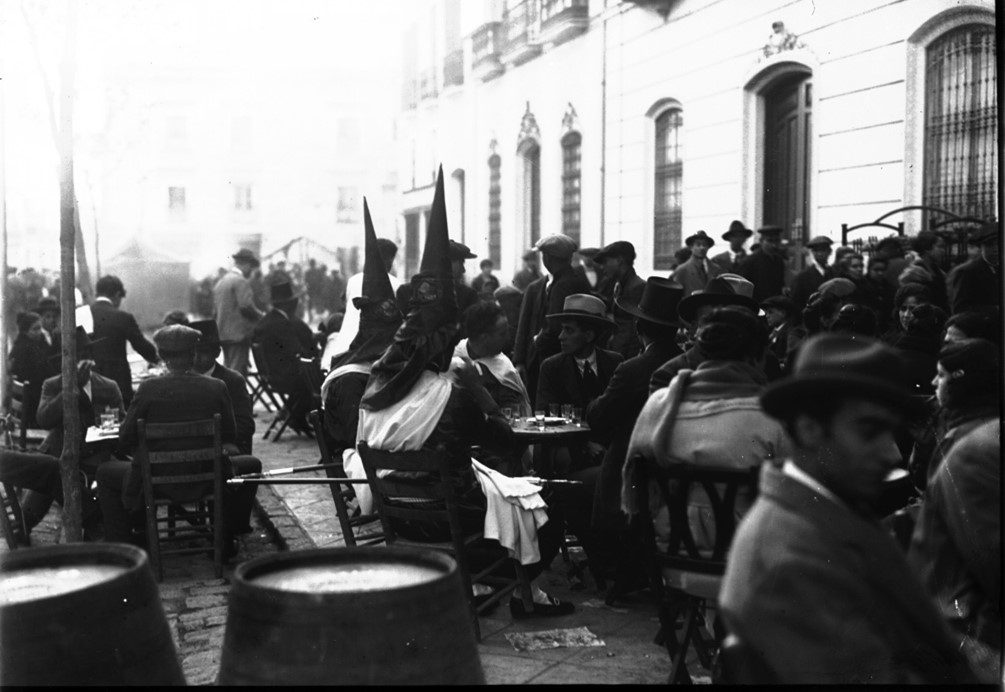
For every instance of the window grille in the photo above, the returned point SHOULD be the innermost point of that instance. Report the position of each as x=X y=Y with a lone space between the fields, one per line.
x=668 y=187
x=495 y=219
x=571 y=184
x=961 y=105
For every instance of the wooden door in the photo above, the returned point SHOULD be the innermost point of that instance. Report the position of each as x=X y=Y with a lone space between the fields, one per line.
x=787 y=143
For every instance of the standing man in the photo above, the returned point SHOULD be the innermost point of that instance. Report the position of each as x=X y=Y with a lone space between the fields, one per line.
x=816 y=590
x=973 y=284
x=618 y=261
x=529 y=273
x=729 y=261
x=48 y=310
x=537 y=337
x=112 y=329
x=485 y=283
x=236 y=312
x=695 y=273
x=809 y=279
x=765 y=268
x=466 y=296
x=314 y=281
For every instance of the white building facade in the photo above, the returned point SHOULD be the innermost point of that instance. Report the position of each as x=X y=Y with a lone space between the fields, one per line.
x=647 y=121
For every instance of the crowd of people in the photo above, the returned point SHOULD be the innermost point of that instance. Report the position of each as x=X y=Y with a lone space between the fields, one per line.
x=866 y=392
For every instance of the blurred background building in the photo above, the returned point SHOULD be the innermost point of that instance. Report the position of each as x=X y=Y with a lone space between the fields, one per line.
x=649 y=120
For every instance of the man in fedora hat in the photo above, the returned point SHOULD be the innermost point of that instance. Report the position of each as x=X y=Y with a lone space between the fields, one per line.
x=96 y=394
x=736 y=236
x=815 y=589
x=618 y=261
x=765 y=268
x=809 y=279
x=580 y=372
x=697 y=271
x=536 y=336
x=114 y=327
x=285 y=338
x=236 y=312
x=48 y=309
x=976 y=284
x=727 y=289
x=615 y=411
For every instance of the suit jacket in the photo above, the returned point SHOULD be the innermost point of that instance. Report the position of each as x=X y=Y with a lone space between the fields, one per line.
x=689 y=359
x=115 y=327
x=687 y=275
x=240 y=400
x=972 y=285
x=104 y=393
x=561 y=383
x=766 y=272
x=234 y=302
x=824 y=595
x=624 y=340
x=807 y=282
x=726 y=263
x=173 y=398
x=539 y=301
x=614 y=415
x=29 y=362
x=283 y=340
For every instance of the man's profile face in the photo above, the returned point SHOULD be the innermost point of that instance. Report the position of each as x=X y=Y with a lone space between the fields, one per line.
x=574 y=339
x=699 y=249
x=858 y=449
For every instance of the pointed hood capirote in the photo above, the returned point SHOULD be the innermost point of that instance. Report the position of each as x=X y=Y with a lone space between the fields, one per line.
x=426 y=338
x=379 y=317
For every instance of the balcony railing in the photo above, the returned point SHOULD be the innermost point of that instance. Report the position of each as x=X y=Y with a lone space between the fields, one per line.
x=521 y=32
x=427 y=84
x=453 y=68
x=486 y=46
x=663 y=7
x=563 y=19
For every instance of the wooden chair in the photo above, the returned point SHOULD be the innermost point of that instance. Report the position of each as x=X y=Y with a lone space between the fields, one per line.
x=14 y=438
x=178 y=480
x=353 y=525
x=687 y=578
x=434 y=502
x=258 y=391
x=26 y=438
x=282 y=409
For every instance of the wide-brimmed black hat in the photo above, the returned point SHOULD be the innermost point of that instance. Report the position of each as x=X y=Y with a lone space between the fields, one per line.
x=842 y=364
x=246 y=255
x=209 y=333
x=282 y=292
x=736 y=228
x=47 y=305
x=718 y=291
x=695 y=237
x=586 y=309
x=660 y=298
x=770 y=231
x=619 y=248
x=460 y=251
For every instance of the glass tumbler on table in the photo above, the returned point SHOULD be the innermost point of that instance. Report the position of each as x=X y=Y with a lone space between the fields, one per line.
x=554 y=410
x=539 y=417
x=577 y=417
x=567 y=413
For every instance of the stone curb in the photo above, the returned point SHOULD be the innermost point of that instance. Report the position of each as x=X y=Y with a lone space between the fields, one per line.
x=280 y=520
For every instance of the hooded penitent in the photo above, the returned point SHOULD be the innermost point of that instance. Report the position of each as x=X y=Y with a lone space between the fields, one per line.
x=426 y=338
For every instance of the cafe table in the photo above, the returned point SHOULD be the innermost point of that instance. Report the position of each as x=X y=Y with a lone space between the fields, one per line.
x=555 y=434
x=95 y=434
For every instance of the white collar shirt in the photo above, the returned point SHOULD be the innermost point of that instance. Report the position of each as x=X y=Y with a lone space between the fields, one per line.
x=591 y=359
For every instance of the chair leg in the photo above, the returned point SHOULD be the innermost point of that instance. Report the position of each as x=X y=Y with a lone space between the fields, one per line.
x=678 y=671
x=524 y=586
x=153 y=541
x=218 y=536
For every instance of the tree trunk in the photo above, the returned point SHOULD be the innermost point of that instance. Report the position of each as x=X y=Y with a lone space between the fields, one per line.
x=69 y=462
x=86 y=285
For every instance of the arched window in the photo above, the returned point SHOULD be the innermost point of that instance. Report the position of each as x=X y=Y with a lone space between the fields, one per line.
x=530 y=154
x=669 y=168
x=572 y=173
x=495 y=222
x=961 y=107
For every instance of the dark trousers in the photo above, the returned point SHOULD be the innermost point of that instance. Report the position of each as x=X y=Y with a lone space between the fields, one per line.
x=37 y=472
x=120 y=522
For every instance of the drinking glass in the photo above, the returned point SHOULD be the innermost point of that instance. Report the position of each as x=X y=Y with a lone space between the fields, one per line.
x=539 y=416
x=108 y=419
x=508 y=414
x=567 y=413
x=577 y=416
x=554 y=410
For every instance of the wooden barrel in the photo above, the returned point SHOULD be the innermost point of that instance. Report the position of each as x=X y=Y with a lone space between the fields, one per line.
x=83 y=614
x=349 y=616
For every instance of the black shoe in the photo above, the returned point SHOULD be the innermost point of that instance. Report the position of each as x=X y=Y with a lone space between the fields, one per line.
x=554 y=609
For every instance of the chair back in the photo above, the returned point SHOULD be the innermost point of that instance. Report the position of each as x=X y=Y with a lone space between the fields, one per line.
x=675 y=483
x=310 y=371
x=16 y=408
x=431 y=490
x=341 y=493
x=261 y=364
x=200 y=466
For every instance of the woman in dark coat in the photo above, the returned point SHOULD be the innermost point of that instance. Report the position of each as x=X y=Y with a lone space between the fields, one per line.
x=28 y=363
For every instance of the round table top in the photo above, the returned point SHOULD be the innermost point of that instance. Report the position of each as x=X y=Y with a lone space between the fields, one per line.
x=530 y=433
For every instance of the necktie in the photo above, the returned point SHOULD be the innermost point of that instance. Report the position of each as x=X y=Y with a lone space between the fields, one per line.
x=702 y=274
x=590 y=382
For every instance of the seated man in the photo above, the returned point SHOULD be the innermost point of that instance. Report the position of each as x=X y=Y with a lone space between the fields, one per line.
x=814 y=588
x=487 y=328
x=37 y=473
x=284 y=338
x=207 y=350
x=180 y=395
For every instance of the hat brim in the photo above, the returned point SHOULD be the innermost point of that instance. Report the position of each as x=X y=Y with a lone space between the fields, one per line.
x=592 y=320
x=689 y=305
x=745 y=233
x=244 y=258
x=296 y=296
x=633 y=310
x=780 y=398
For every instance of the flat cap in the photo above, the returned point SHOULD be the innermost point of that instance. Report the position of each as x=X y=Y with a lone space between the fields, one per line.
x=175 y=338
x=839 y=286
x=557 y=245
x=619 y=248
x=246 y=255
x=819 y=241
x=460 y=251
